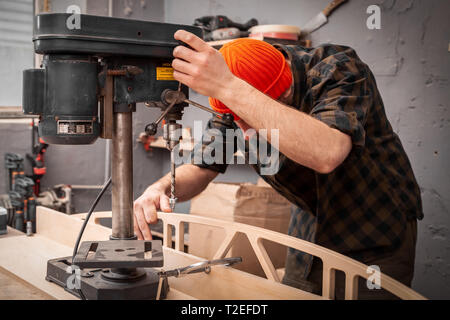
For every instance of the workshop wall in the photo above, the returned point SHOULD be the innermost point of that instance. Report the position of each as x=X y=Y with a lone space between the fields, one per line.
x=410 y=59
x=16 y=54
x=16 y=51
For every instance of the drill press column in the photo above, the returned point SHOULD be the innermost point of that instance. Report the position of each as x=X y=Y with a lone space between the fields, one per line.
x=122 y=177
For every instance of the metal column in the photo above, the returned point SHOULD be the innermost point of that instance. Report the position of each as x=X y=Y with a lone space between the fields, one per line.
x=122 y=177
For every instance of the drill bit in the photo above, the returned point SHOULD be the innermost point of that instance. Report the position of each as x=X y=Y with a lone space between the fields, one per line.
x=173 y=199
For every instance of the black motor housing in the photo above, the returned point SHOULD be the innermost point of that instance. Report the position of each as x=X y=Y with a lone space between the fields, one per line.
x=64 y=93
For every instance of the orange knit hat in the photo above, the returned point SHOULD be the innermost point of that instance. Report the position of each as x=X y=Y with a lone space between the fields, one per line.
x=257 y=63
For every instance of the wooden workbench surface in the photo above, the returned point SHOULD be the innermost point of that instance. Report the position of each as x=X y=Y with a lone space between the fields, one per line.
x=15 y=288
x=11 y=232
x=26 y=258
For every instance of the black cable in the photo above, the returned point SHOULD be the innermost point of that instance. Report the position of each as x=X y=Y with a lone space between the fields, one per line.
x=86 y=220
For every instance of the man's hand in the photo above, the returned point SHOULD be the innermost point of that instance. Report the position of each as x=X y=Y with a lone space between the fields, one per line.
x=145 y=208
x=191 y=180
x=201 y=67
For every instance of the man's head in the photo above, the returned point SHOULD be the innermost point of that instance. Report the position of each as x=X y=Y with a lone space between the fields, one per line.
x=259 y=64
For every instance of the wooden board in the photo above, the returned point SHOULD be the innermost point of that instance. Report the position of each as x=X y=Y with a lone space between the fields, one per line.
x=331 y=260
x=27 y=257
x=64 y=229
x=226 y=283
x=15 y=288
x=11 y=232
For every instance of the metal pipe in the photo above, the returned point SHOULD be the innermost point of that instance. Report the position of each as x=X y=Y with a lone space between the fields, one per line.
x=122 y=176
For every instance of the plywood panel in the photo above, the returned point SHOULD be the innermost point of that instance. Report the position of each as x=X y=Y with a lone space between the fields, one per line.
x=27 y=257
x=15 y=288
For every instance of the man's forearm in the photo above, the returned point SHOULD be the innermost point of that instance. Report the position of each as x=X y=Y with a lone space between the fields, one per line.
x=302 y=138
x=190 y=180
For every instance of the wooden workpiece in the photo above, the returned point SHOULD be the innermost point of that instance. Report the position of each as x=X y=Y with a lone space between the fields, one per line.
x=15 y=288
x=26 y=258
x=11 y=233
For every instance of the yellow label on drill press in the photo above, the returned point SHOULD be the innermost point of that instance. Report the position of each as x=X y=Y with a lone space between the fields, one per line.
x=165 y=72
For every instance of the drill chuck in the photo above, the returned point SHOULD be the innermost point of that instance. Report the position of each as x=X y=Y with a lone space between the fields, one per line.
x=172 y=134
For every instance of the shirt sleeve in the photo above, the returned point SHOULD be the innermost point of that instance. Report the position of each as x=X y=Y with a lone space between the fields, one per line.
x=341 y=94
x=213 y=127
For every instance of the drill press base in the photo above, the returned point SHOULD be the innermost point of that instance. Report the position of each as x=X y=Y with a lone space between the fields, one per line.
x=98 y=284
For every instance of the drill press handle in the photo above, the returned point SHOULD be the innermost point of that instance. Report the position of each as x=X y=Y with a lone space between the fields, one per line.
x=170 y=98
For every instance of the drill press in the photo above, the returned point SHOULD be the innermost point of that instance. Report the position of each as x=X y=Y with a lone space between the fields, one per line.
x=91 y=80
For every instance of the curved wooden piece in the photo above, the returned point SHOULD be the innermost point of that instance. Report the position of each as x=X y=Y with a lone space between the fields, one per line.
x=331 y=260
x=226 y=245
x=263 y=258
x=329 y=278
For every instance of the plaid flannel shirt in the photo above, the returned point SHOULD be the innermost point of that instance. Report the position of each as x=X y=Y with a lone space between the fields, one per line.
x=362 y=207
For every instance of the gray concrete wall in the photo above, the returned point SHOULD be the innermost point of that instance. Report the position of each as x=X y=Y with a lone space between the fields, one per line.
x=16 y=51
x=13 y=59
x=410 y=59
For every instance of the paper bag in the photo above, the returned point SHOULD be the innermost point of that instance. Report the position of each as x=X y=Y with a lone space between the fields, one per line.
x=257 y=205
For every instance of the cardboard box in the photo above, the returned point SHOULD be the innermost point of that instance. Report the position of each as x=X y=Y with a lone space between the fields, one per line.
x=257 y=205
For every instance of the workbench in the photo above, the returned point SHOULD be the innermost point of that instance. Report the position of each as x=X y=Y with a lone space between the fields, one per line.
x=23 y=261
x=25 y=258
x=13 y=287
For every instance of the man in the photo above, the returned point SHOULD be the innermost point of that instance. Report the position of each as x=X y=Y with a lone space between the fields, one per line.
x=341 y=164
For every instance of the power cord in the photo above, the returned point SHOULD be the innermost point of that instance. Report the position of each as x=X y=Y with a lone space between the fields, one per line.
x=86 y=220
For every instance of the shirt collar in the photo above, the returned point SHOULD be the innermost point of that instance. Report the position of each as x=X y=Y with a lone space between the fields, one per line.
x=298 y=72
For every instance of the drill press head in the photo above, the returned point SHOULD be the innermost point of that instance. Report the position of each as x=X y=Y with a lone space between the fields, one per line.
x=108 y=65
